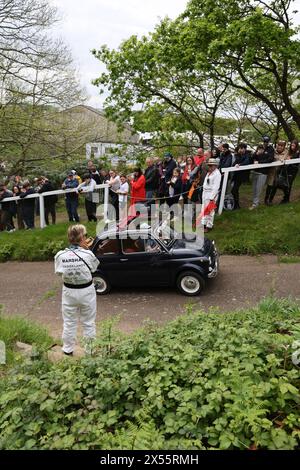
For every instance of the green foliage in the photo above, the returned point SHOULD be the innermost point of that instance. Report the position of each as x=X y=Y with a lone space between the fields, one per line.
x=149 y=72
x=187 y=67
x=5 y=251
x=204 y=381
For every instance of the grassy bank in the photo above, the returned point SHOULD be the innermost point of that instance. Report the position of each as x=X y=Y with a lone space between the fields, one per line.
x=19 y=329
x=273 y=230
x=205 y=381
x=36 y=245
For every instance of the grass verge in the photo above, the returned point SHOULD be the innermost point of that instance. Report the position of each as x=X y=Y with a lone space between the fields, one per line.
x=266 y=230
x=289 y=259
x=19 y=329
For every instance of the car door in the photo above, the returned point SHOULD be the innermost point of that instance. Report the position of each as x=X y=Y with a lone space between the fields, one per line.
x=144 y=262
x=108 y=252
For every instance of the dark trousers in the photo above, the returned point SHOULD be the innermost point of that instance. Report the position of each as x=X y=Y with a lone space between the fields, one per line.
x=72 y=205
x=235 y=191
x=286 y=189
x=91 y=208
x=7 y=221
x=20 y=218
x=28 y=217
x=114 y=199
x=50 y=209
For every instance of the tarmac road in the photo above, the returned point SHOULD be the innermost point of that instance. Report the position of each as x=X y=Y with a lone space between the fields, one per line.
x=32 y=290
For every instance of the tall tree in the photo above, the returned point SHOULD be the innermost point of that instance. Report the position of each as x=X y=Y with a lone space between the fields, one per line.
x=147 y=72
x=37 y=79
x=250 y=45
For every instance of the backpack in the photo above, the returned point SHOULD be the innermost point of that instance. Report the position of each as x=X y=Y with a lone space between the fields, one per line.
x=282 y=180
x=228 y=202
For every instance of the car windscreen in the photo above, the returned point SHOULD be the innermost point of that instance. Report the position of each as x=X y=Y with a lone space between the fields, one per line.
x=165 y=234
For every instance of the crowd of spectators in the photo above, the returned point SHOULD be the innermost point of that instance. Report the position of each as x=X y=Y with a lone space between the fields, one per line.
x=192 y=179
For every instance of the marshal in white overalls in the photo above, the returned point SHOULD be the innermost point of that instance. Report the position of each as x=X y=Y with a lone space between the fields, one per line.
x=76 y=266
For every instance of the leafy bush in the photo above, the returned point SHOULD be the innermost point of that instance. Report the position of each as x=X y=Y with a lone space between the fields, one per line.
x=5 y=252
x=51 y=248
x=203 y=381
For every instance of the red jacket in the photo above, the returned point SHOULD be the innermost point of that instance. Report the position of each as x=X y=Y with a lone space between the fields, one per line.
x=199 y=159
x=138 y=191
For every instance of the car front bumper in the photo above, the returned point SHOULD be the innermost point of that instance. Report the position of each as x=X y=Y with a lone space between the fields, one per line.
x=214 y=264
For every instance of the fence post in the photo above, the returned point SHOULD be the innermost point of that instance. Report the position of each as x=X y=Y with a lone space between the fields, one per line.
x=223 y=192
x=42 y=211
x=106 y=198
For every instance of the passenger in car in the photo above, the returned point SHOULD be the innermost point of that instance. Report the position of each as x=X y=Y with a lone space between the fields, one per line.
x=133 y=246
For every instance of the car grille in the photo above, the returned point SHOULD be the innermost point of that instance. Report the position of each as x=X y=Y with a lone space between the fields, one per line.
x=214 y=262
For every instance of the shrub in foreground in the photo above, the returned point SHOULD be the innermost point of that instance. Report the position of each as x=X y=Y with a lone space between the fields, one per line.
x=205 y=381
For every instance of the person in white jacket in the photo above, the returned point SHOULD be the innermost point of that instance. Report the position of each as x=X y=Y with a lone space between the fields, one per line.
x=75 y=265
x=88 y=187
x=211 y=187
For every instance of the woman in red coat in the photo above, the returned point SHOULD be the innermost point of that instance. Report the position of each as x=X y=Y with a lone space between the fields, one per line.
x=138 y=190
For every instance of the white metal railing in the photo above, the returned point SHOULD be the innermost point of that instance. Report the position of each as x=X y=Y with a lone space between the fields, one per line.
x=226 y=172
x=58 y=192
x=257 y=166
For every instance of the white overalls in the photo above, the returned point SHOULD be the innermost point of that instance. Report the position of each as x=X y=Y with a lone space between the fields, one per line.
x=78 y=294
x=211 y=188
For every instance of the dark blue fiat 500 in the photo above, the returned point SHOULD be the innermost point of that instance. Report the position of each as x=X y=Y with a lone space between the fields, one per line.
x=145 y=256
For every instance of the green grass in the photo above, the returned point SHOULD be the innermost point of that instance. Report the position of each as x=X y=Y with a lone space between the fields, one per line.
x=267 y=230
x=38 y=244
x=19 y=329
x=289 y=259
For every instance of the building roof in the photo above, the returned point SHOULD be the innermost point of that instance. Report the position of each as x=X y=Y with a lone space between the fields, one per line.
x=99 y=112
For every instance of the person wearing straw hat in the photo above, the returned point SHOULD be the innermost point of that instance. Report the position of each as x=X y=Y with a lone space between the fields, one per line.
x=210 y=193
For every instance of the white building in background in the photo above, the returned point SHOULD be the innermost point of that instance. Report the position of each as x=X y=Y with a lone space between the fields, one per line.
x=98 y=150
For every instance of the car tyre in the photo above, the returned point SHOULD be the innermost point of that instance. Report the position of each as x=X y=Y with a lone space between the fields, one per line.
x=190 y=283
x=102 y=286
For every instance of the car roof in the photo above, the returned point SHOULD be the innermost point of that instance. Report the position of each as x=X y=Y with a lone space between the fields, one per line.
x=114 y=232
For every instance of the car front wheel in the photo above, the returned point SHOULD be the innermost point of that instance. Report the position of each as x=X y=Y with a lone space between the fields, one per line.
x=102 y=286
x=190 y=283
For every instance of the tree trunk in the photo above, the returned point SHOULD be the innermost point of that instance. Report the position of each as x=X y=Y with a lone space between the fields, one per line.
x=212 y=136
x=201 y=140
x=277 y=131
